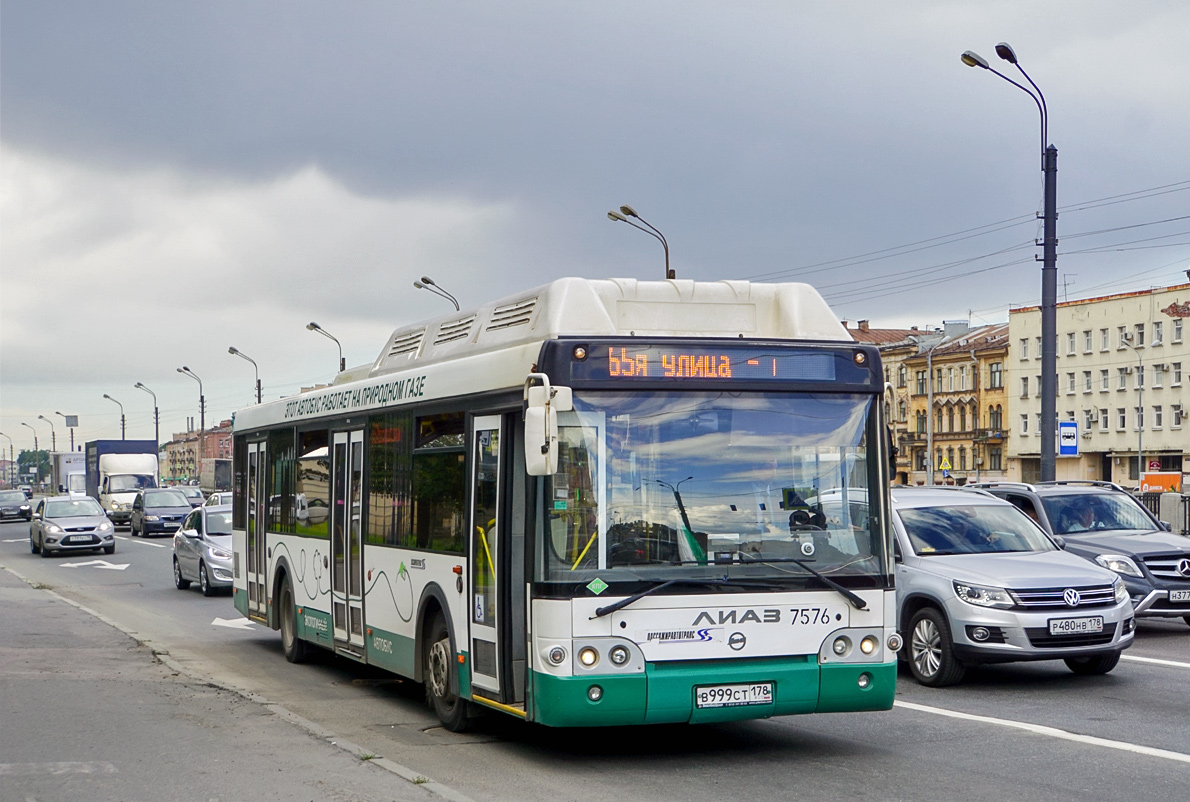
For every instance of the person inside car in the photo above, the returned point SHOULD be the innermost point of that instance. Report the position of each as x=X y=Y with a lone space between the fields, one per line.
x=1082 y=519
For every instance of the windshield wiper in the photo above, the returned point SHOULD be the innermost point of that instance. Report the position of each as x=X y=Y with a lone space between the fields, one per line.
x=622 y=603
x=856 y=601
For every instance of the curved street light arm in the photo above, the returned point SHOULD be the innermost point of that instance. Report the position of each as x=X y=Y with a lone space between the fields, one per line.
x=1039 y=101
x=619 y=217
x=434 y=288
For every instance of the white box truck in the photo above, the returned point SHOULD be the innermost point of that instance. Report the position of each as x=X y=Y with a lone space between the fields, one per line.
x=68 y=473
x=116 y=470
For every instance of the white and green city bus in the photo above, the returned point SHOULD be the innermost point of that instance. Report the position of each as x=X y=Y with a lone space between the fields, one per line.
x=592 y=503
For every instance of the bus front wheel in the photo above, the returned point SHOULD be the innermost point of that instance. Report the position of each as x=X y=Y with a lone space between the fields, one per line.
x=438 y=663
x=296 y=649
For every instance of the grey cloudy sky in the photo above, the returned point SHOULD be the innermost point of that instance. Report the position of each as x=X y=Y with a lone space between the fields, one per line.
x=177 y=178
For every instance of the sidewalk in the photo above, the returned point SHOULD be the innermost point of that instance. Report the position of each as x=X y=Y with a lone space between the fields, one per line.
x=87 y=713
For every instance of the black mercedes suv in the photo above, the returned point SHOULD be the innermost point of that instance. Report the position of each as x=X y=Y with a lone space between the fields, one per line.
x=1105 y=524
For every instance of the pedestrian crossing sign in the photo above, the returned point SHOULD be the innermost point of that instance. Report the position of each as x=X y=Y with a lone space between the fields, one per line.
x=945 y=466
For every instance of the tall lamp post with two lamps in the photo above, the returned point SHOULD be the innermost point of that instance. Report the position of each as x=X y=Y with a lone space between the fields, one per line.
x=428 y=283
x=622 y=217
x=1049 y=269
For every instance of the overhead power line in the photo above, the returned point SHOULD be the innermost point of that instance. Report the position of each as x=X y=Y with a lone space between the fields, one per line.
x=970 y=233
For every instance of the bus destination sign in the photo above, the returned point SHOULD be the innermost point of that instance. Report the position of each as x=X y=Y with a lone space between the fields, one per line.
x=724 y=363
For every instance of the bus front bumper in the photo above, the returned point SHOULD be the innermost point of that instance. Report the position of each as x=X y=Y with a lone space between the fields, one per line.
x=667 y=692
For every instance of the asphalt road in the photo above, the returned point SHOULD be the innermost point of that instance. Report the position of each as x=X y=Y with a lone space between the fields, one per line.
x=1031 y=731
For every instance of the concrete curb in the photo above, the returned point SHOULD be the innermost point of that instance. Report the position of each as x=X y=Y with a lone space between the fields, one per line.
x=163 y=657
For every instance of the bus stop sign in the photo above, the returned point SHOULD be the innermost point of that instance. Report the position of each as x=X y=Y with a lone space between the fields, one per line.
x=1067 y=438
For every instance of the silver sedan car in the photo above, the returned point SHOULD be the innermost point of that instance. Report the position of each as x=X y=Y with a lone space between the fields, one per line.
x=70 y=523
x=979 y=582
x=202 y=550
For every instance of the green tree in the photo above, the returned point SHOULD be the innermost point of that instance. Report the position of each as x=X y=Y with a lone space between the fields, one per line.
x=29 y=459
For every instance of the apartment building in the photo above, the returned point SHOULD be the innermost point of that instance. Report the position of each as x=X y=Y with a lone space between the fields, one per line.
x=895 y=346
x=956 y=406
x=1122 y=361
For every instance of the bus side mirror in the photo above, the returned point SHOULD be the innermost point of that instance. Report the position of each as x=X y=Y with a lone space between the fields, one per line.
x=542 y=405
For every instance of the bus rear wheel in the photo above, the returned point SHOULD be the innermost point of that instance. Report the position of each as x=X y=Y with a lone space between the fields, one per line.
x=437 y=664
x=296 y=649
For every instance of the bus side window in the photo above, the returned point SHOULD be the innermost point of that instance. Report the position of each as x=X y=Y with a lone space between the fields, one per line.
x=439 y=459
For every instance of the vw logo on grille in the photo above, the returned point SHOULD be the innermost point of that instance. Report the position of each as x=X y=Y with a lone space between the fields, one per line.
x=1071 y=597
x=1184 y=567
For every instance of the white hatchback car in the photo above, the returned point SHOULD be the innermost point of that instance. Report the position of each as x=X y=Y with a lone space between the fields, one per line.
x=979 y=582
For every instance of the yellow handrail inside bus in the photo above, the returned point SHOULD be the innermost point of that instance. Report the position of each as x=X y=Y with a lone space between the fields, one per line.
x=583 y=553
x=484 y=539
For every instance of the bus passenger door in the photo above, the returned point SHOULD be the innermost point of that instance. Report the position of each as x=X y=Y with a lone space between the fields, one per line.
x=256 y=496
x=347 y=607
x=485 y=537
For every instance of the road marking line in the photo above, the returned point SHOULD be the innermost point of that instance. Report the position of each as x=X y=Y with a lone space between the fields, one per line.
x=1155 y=661
x=233 y=623
x=57 y=769
x=1052 y=732
x=147 y=543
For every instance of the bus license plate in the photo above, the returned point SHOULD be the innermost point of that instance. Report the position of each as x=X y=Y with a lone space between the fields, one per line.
x=754 y=693
x=1179 y=595
x=1076 y=626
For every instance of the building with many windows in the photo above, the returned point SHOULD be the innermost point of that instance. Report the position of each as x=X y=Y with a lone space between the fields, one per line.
x=1122 y=361
x=180 y=456
x=895 y=346
x=957 y=408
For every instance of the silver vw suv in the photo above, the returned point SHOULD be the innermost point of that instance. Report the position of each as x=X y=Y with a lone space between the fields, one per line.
x=979 y=582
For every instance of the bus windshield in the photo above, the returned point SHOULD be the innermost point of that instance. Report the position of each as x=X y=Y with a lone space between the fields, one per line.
x=657 y=485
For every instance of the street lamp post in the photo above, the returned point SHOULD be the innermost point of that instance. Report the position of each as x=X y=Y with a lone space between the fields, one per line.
x=53 y=433
x=622 y=217
x=237 y=352
x=202 y=412
x=11 y=465
x=156 y=415
x=114 y=401
x=428 y=283
x=1140 y=404
x=1049 y=269
x=35 y=446
x=312 y=326
x=69 y=425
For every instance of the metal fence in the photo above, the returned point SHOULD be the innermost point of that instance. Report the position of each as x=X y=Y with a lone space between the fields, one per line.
x=1181 y=522
x=1152 y=502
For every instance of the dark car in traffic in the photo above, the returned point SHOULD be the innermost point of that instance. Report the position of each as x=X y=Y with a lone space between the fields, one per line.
x=193 y=495
x=158 y=511
x=1105 y=524
x=14 y=504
